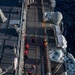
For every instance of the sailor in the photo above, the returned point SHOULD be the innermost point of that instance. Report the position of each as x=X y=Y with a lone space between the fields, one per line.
x=30 y=72
x=33 y=67
x=33 y=39
x=44 y=40
x=45 y=43
x=28 y=6
x=27 y=46
x=26 y=54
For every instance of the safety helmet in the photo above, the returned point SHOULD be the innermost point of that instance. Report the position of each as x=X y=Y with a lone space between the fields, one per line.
x=44 y=40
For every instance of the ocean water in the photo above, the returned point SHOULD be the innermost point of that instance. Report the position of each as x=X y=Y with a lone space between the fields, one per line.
x=67 y=8
x=10 y=3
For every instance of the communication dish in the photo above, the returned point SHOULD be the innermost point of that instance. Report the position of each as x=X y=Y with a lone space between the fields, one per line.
x=56 y=18
x=2 y=16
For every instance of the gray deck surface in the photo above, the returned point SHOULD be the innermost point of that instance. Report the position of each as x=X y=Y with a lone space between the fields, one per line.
x=8 y=35
x=34 y=27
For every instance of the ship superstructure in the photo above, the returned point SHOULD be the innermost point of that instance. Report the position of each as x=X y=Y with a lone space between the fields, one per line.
x=31 y=39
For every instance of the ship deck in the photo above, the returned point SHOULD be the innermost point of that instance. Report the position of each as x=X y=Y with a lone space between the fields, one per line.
x=34 y=27
x=8 y=35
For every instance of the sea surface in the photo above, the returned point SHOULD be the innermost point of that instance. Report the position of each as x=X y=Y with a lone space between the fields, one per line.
x=67 y=8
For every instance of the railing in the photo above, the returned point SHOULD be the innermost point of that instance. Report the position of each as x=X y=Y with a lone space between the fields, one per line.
x=21 y=38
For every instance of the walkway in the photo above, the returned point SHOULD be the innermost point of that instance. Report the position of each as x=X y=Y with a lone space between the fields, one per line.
x=34 y=27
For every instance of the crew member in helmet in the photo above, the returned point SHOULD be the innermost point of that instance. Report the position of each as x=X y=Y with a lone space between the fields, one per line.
x=45 y=43
x=30 y=72
x=26 y=54
x=33 y=67
x=33 y=39
x=27 y=46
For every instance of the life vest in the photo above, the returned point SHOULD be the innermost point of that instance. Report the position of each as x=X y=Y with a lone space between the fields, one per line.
x=27 y=46
x=44 y=44
x=26 y=52
x=29 y=71
x=44 y=40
